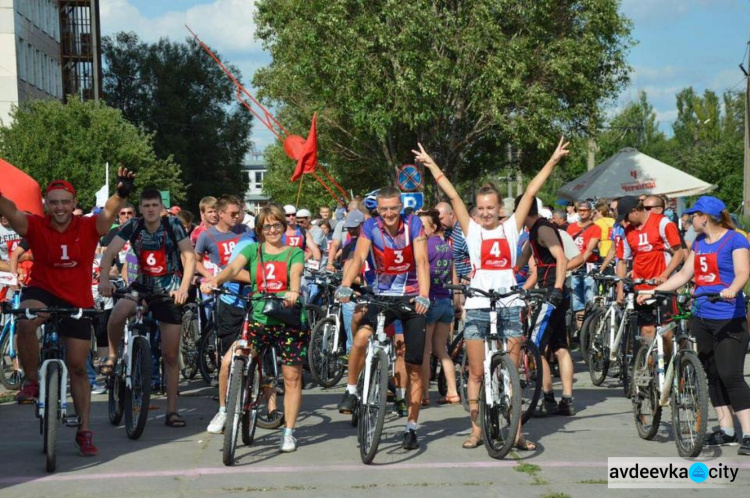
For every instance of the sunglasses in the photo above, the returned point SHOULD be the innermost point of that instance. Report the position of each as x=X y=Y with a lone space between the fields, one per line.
x=649 y=208
x=233 y=214
x=290 y=215
x=127 y=213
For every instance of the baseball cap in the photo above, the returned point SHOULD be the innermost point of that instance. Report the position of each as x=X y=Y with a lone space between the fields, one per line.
x=175 y=210
x=708 y=205
x=60 y=185
x=354 y=219
x=625 y=205
x=289 y=209
x=303 y=213
x=545 y=213
x=586 y=204
x=97 y=210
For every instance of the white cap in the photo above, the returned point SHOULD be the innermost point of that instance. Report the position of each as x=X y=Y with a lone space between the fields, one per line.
x=303 y=213
x=289 y=209
x=545 y=213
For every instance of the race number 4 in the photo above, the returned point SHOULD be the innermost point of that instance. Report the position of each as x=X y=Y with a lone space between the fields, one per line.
x=495 y=249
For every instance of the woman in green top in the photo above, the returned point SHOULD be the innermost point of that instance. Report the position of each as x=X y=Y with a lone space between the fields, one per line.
x=273 y=268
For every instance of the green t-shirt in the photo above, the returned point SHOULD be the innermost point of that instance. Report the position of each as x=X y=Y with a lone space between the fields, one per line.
x=290 y=256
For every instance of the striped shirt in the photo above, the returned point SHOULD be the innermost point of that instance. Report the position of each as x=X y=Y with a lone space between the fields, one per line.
x=401 y=284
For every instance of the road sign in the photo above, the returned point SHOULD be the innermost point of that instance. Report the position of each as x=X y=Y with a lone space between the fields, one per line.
x=166 y=198
x=409 y=178
x=414 y=200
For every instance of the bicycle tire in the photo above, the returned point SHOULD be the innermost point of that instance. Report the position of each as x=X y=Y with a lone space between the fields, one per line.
x=530 y=378
x=11 y=378
x=138 y=397
x=646 y=408
x=52 y=415
x=584 y=334
x=597 y=347
x=627 y=357
x=323 y=358
x=355 y=411
x=314 y=314
x=372 y=410
x=189 y=335
x=497 y=442
x=693 y=388
x=207 y=357
x=234 y=410
x=249 y=405
x=463 y=376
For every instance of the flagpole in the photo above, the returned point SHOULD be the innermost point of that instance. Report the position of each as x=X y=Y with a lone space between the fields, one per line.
x=299 y=190
x=106 y=177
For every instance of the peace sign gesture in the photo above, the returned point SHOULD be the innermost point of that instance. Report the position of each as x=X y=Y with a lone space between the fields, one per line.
x=424 y=158
x=561 y=150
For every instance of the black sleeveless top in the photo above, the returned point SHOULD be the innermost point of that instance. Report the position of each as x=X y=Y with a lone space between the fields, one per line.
x=546 y=264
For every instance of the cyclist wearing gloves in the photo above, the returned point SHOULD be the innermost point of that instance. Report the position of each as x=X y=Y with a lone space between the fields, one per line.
x=719 y=261
x=160 y=243
x=492 y=247
x=64 y=246
x=276 y=268
x=399 y=249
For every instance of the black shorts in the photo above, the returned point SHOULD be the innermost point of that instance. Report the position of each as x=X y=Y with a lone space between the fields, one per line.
x=228 y=325
x=69 y=327
x=165 y=311
x=653 y=314
x=556 y=336
x=414 y=328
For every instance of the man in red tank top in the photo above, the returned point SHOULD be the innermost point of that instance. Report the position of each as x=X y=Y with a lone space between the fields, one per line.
x=64 y=246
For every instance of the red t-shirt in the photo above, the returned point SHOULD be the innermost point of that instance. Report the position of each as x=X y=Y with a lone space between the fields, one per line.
x=63 y=261
x=649 y=246
x=582 y=236
x=197 y=233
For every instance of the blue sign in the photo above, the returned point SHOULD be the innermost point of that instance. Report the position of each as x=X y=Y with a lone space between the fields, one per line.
x=414 y=200
x=409 y=178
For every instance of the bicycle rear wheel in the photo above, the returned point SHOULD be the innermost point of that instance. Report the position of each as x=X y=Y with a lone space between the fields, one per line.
x=138 y=397
x=372 y=409
x=208 y=359
x=689 y=405
x=190 y=336
x=51 y=419
x=463 y=378
x=501 y=415
x=250 y=404
x=11 y=378
x=627 y=356
x=585 y=334
x=323 y=354
x=530 y=378
x=234 y=410
x=646 y=406
x=598 y=347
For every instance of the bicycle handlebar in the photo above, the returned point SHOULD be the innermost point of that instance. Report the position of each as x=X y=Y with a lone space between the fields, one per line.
x=367 y=296
x=496 y=294
x=33 y=313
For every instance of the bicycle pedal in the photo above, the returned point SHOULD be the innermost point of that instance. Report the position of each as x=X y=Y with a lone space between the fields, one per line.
x=72 y=421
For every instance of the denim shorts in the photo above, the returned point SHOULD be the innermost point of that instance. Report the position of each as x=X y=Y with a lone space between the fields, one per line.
x=441 y=310
x=508 y=323
x=581 y=292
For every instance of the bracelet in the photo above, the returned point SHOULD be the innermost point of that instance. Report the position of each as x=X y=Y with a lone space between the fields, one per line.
x=437 y=180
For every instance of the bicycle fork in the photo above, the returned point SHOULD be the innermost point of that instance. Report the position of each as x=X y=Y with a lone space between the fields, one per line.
x=489 y=353
x=41 y=407
x=372 y=347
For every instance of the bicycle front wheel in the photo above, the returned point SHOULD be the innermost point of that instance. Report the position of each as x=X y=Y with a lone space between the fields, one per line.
x=463 y=378
x=323 y=354
x=250 y=404
x=597 y=347
x=530 y=377
x=500 y=415
x=11 y=377
x=234 y=410
x=645 y=395
x=372 y=409
x=208 y=359
x=138 y=397
x=188 y=345
x=689 y=404
x=51 y=419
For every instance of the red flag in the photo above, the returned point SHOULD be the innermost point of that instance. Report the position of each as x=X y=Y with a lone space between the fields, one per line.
x=20 y=188
x=308 y=159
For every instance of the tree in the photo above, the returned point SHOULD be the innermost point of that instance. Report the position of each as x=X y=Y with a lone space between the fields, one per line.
x=177 y=92
x=463 y=77
x=49 y=140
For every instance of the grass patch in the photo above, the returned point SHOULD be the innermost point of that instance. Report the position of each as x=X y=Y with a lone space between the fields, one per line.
x=7 y=396
x=593 y=481
x=527 y=468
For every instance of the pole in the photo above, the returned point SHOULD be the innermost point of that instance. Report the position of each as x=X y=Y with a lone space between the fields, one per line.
x=591 y=157
x=106 y=177
x=299 y=190
x=746 y=188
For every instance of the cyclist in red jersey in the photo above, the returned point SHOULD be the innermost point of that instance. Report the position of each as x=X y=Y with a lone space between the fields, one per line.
x=64 y=246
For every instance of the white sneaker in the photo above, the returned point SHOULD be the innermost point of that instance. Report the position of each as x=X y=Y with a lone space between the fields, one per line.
x=217 y=423
x=288 y=443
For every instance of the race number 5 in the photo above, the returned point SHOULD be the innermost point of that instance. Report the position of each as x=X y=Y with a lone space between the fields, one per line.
x=703 y=263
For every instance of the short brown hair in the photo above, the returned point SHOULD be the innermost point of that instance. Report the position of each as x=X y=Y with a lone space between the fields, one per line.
x=227 y=200
x=389 y=193
x=270 y=212
x=489 y=188
x=208 y=202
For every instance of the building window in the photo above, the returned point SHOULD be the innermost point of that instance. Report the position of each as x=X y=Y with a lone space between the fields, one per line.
x=259 y=179
x=21 y=55
x=38 y=68
x=29 y=64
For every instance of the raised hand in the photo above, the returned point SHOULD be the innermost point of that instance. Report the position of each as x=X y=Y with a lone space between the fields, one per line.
x=561 y=150
x=422 y=157
x=125 y=179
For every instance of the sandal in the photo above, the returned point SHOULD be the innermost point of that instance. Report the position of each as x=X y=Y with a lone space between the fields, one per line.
x=474 y=441
x=450 y=400
x=107 y=365
x=174 y=420
x=524 y=445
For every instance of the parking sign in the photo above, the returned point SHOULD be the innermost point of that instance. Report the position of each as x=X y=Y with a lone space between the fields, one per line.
x=414 y=200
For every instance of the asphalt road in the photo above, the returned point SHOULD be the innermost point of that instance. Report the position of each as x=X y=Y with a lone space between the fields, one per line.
x=571 y=458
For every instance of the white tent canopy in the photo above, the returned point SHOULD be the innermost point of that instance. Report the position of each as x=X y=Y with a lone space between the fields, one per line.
x=630 y=172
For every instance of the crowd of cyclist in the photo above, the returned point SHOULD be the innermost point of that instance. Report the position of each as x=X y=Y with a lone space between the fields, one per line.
x=67 y=259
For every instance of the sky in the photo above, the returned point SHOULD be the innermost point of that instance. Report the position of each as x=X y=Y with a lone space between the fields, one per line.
x=680 y=43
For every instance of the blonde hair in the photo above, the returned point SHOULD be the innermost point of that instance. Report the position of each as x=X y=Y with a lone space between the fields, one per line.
x=489 y=188
x=208 y=202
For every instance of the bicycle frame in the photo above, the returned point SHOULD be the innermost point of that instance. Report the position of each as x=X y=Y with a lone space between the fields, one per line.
x=53 y=348
x=665 y=378
x=490 y=350
x=378 y=340
x=128 y=338
x=9 y=328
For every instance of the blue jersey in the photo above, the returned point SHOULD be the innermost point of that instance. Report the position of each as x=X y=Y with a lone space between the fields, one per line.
x=714 y=272
x=236 y=287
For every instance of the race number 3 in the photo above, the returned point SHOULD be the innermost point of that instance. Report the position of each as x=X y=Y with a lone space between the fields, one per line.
x=399 y=257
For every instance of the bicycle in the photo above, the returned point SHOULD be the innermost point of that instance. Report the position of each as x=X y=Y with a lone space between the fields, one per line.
x=129 y=386
x=327 y=342
x=52 y=405
x=500 y=399
x=189 y=341
x=208 y=349
x=12 y=376
x=612 y=333
x=683 y=386
x=244 y=399
x=378 y=367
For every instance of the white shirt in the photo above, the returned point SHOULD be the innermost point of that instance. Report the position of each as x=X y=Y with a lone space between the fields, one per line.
x=498 y=280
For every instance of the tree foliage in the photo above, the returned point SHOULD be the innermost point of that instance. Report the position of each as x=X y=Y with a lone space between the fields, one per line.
x=50 y=140
x=177 y=92
x=463 y=77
